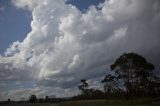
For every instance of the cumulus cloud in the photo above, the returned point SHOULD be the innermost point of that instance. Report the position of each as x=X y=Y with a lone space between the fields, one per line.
x=25 y=4
x=66 y=45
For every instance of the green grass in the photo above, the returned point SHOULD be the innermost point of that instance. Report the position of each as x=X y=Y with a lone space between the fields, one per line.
x=135 y=102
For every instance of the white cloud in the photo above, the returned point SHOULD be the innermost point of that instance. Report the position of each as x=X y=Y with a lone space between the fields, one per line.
x=66 y=45
x=26 y=4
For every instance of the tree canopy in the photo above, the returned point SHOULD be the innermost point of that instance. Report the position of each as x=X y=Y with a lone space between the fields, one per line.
x=135 y=72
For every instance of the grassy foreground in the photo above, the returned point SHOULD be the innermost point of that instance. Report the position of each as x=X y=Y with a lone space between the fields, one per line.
x=135 y=102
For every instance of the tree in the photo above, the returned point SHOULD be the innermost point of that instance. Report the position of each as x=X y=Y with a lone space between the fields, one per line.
x=109 y=83
x=86 y=92
x=47 y=99
x=154 y=86
x=33 y=99
x=83 y=86
x=9 y=100
x=134 y=71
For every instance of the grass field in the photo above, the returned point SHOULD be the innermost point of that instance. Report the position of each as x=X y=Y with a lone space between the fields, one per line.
x=137 y=102
x=102 y=102
x=37 y=104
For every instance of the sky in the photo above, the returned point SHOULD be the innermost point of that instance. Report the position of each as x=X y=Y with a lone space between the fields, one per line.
x=14 y=24
x=48 y=46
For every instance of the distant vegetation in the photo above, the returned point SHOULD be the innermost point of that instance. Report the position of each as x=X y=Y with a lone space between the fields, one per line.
x=47 y=99
x=132 y=78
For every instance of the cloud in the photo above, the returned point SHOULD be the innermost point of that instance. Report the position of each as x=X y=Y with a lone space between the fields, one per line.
x=66 y=45
x=25 y=4
x=41 y=92
x=1 y=8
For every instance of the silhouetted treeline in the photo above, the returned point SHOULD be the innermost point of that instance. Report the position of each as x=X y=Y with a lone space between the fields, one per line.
x=132 y=76
x=47 y=99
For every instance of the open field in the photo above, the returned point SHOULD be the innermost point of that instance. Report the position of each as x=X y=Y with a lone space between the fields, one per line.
x=37 y=104
x=137 y=102
x=69 y=105
x=102 y=102
x=75 y=104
